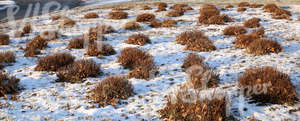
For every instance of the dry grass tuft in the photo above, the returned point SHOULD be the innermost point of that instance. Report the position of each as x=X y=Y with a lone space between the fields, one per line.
x=209 y=14
x=6 y=57
x=76 y=43
x=27 y=29
x=132 y=26
x=118 y=15
x=145 y=7
x=229 y=6
x=272 y=86
x=202 y=76
x=91 y=15
x=201 y=45
x=241 y=9
x=56 y=17
x=191 y=60
x=4 y=39
x=178 y=6
x=79 y=70
x=234 y=30
x=54 y=62
x=102 y=29
x=8 y=84
x=252 y=23
x=99 y=50
x=111 y=90
x=34 y=46
x=162 y=4
x=243 y=41
x=270 y=8
x=169 y=23
x=155 y=24
x=159 y=9
x=145 y=17
x=138 y=39
x=244 y=4
x=255 y=5
x=67 y=23
x=175 y=13
x=264 y=46
x=189 y=36
x=200 y=109
x=277 y=13
x=49 y=35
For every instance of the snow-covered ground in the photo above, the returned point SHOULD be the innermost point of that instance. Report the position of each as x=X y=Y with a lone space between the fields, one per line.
x=44 y=99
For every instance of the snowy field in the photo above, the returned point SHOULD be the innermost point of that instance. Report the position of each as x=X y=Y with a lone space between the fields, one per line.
x=44 y=99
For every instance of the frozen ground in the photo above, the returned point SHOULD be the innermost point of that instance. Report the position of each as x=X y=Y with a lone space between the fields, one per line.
x=44 y=99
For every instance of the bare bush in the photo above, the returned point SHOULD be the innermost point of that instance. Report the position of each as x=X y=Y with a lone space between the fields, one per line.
x=67 y=23
x=132 y=57
x=91 y=15
x=243 y=41
x=118 y=15
x=201 y=45
x=76 y=43
x=175 y=13
x=49 y=35
x=192 y=60
x=27 y=29
x=145 y=17
x=268 y=85
x=56 y=17
x=34 y=46
x=138 y=39
x=252 y=23
x=155 y=24
x=104 y=50
x=132 y=26
x=244 y=4
x=229 y=6
x=255 y=5
x=169 y=23
x=4 y=39
x=8 y=84
x=241 y=9
x=264 y=46
x=111 y=90
x=270 y=7
x=102 y=28
x=145 y=7
x=7 y=57
x=54 y=62
x=162 y=4
x=189 y=36
x=234 y=30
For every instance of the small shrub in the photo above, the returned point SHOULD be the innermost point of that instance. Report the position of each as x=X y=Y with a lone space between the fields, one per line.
x=67 y=23
x=207 y=13
x=159 y=9
x=202 y=77
x=234 y=30
x=178 y=107
x=34 y=46
x=18 y=33
x=146 y=7
x=244 y=4
x=201 y=45
x=255 y=5
x=264 y=46
x=79 y=70
x=175 y=13
x=138 y=39
x=103 y=29
x=118 y=15
x=229 y=6
x=76 y=43
x=162 y=5
x=132 y=26
x=56 y=17
x=188 y=8
x=132 y=57
x=169 y=23
x=155 y=24
x=208 y=6
x=4 y=39
x=241 y=9
x=215 y=20
x=283 y=16
x=143 y=72
x=111 y=90
x=54 y=62
x=178 y=6
x=189 y=36
x=27 y=29
x=8 y=84
x=91 y=15
x=49 y=35
x=145 y=17
x=191 y=60
x=7 y=57
x=252 y=23
x=259 y=33
x=278 y=86
x=104 y=50
x=243 y=41
x=270 y=7
x=32 y=52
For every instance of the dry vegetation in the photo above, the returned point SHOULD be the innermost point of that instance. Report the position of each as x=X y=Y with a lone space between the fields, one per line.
x=264 y=46
x=100 y=49
x=76 y=43
x=91 y=15
x=4 y=39
x=118 y=15
x=229 y=6
x=241 y=9
x=34 y=46
x=279 y=90
x=27 y=29
x=67 y=23
x=255 y=5
x=234 y=30
x=243 y=41
x=209 y=14
x=138 y=39
x=54 y=62
x=102 y=29
x=79 y=70
x=132 y=26
x=175 y=13
x=189 y=36
x=49 y=35
x=111 y=90
x=6 y=58
x=191 y=60
x=145 y=7
x=155 y=24
x=169 y=23
x=8 y=84
x=252 y=23
x=244 y=4
x=56 y=17
x=277 y=13
x=145 y=17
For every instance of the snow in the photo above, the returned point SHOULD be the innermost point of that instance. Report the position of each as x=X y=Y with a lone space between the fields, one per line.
x=44 y=99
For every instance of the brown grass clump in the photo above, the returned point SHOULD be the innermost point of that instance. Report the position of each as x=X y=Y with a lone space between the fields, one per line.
x=27 y=29
x=4 y=39
x=277 y=13
x=175 y=13
x=159 y=9
x=103 y=29
x=243 y=41
x=155 y=24
x=6 y=57
x=76 y=43
x=255 y=5
x=139 y=62
x=54 y=62
x=102 y=49
x=34 y=46
x=169 y=23
x=162 y=4
x=252 y=23
x=145 y=7
x=191 y=60
x=132 y=26
x=271 y=85
x=209 y=14
x=241 y=9
x=138 y=39
x=67 y=23
x=270 y=7
x=56 y=17
x=234 y=30
x=189 y=36
x=229 y=6
x=118 y=15
x=8 y=84
x=179 y=109
x=111 y=90
x=264 y=46
x=32 y=52
x=49 y=35
x=91 y=15
x=201 y=45
x=145 y=17
x=202 y=77
x=178 y=6
x=79 y=70
x=244 y=4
